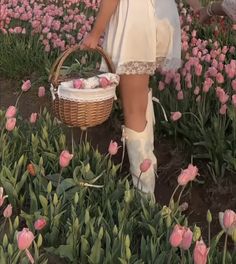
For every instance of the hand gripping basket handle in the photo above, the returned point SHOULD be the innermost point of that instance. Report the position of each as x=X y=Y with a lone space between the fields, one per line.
x=55 y=70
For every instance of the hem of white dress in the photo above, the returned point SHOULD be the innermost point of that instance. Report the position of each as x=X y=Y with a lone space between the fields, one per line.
x=139 y=67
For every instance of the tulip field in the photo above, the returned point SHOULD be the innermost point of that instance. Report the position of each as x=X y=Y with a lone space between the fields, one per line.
x=66 y=197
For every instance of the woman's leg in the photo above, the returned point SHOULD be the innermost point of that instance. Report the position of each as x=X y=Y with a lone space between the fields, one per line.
x=138 y=129
x=134 y=96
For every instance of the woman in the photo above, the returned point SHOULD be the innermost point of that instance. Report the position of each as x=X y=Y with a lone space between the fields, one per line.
x=140 y=36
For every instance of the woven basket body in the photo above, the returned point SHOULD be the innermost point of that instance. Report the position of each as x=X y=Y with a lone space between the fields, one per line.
x=91 y=107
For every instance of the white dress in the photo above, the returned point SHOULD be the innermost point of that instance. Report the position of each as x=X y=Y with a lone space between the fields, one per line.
x=143 y=35
x=229 y=6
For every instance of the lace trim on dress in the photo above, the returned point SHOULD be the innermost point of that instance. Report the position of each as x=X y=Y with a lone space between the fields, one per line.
x=140 y=67
x=229 y=6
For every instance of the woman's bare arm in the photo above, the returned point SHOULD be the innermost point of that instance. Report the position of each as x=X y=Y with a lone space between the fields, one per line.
x=107 y=8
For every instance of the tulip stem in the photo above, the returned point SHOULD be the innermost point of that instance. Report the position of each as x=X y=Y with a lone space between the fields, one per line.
x=139 y=177
x=209 y=234
x=170 y=256
x=72 y=141
x=182 y=256
x=18 y=98
x=180 y=195
x=225 y=248
x=172 y=196
x=59 y=179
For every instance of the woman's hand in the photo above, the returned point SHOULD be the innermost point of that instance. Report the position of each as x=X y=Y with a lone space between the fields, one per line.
x=90 y=41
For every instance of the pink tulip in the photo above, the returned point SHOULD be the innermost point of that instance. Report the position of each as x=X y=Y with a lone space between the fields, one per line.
x=175 y=116
x=223 y=98
x=2 y=198
x=229 y=218
x=40 y=224
x=176 y=236
x=180 y=95
x=104 y=82
x=65 y=158
x=25 y=239
x=223 y=109
x=26 y=86
x=198 y=70
x=234 y=100
x=181 y=237
x=8 y=211
x=78 y=84
x=11 y=112
x=161 y=86
x=222 y=57
x=232 y=50
x=33 y=118
x=113 y=148
x=233 y=83
x=187 y=175
x=145 y=165
x=187 y=239
x=10 y=124
x=41 y=91
x=196 y=90
x=219 y=78
x=200 y=253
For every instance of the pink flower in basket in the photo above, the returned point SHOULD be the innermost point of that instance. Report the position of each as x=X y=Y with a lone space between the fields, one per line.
x=104 y=82
x=78 y=84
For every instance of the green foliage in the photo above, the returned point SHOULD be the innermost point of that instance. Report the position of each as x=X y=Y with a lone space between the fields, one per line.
x=21 y=56
x=93 y=216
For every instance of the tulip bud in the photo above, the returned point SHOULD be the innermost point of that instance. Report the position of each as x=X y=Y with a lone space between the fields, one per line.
x=165 y=211
x=49 y=187
x=113 y=148
x=40 y=224
x=115 y=230
x=145 y=165
x=234 y=235
x=76 y=198
x=10 y=249
x=127 y=241
x=8 y=211
x=26 y=86
x=2 y=198
x=175 y=116
x=229 y=218
x=11 y=112
x=25 y=239
x=104 y=82
x=209 y=216
x=10 y=124
x=16 y=223
x=40 y=241
x=31 y=169
x=41 y=91
x=196 y=233
x=200 y=253
x=65 y=158
x=128 y=197
x=5 y=241
x=55 y=199
x=33 y=118
x=78 y=84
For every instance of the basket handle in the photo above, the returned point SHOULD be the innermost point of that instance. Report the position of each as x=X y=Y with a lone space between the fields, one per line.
x=55 y=70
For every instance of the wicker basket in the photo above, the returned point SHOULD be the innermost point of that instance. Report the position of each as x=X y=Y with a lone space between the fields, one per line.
x=95 y=105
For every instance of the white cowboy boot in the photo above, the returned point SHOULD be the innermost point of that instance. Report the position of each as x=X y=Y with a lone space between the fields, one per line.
x=150 y=117
x=139 y=148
